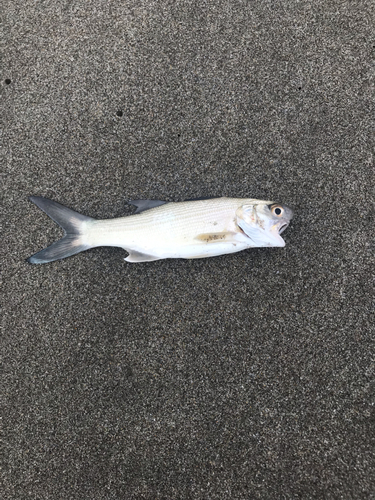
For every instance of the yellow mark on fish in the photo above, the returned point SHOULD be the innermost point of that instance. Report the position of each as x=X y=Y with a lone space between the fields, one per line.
x=212 y=237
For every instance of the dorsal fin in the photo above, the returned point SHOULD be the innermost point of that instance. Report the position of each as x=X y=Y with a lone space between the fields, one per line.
x=143 y=205
x=203 y=198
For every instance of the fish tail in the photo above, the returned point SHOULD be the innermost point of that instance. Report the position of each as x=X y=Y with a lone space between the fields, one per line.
x=74 y=225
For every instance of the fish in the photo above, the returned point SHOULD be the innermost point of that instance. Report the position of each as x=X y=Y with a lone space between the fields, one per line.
x=191 y=229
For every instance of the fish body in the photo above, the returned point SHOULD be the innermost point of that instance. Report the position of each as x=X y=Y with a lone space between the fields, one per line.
x=190 y=229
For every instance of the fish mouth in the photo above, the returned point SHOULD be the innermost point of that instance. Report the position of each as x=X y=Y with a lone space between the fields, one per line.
x=282 y=227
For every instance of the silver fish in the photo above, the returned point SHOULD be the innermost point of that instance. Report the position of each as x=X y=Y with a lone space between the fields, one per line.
x=160 y=230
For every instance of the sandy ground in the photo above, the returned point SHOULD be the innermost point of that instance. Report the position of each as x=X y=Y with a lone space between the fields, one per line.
x=237 y=377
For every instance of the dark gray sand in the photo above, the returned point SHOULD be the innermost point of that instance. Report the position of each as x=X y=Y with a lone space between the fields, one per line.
x=237 y=377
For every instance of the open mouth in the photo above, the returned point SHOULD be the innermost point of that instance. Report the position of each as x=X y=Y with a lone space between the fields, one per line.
x=282 y=227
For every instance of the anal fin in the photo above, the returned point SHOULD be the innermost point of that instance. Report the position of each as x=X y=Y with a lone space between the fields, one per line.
x=140 y=257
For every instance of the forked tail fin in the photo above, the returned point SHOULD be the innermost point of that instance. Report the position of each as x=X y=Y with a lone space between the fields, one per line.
x=74 y=225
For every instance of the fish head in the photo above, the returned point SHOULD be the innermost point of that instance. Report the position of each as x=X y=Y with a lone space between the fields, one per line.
x=263 y=222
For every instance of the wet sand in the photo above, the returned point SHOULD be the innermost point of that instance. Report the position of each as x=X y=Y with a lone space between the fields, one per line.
x=236 y=377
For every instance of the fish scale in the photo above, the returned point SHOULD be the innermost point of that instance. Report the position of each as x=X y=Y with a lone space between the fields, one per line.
x=173 y=220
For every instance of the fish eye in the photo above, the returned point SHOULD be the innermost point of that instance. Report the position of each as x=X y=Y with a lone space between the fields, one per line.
x=277 y=210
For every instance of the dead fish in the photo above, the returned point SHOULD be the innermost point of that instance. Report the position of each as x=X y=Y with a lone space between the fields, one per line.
x=190 y=229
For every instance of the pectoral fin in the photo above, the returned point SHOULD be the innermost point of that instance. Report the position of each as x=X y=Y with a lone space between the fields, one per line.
x=140 y=257
x=216 y=237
